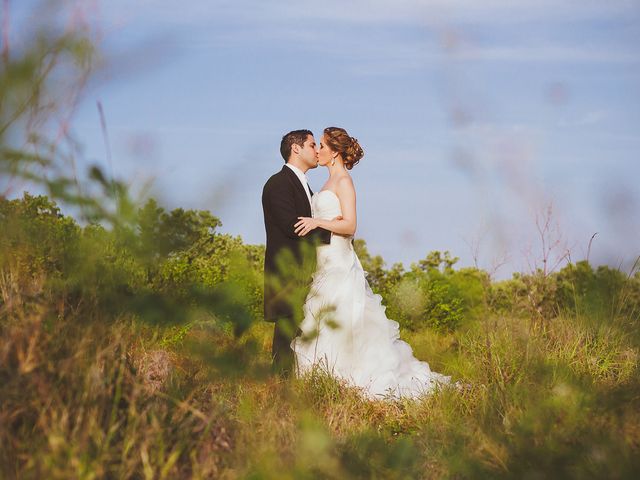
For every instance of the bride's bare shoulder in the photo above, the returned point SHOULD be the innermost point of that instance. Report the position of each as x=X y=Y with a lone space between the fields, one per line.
x=345 y=181
x=345 y=186
x=345 y=189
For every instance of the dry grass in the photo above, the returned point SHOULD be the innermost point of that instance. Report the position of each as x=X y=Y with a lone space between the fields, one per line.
x=87 y=399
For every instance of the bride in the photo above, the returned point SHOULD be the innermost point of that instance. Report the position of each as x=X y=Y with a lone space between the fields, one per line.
x=345 y=329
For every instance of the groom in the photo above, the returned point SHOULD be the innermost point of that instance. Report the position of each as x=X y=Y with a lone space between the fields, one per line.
x=285 y=197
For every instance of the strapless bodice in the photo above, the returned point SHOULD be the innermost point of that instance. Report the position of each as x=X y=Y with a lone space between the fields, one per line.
x=326 y=206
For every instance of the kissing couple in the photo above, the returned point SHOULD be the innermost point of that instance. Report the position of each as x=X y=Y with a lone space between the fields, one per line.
x=336 y=323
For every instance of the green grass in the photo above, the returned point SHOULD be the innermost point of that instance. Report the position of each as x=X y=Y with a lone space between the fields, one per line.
x=92 y=400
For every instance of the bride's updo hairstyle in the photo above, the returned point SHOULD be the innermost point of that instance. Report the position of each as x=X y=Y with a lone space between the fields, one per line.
x=348 y=147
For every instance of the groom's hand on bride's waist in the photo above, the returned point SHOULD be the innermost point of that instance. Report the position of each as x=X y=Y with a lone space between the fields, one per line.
x=306 y=224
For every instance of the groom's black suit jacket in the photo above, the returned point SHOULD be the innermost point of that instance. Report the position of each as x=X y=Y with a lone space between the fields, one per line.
x=283 y=201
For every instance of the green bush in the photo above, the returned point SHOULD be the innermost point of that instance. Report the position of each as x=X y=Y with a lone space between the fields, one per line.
x=433 y=294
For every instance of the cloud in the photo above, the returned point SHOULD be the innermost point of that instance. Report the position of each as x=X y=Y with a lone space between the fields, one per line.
x=589 y=118
x=548 y=53
x=437 y=34
x=369 y=11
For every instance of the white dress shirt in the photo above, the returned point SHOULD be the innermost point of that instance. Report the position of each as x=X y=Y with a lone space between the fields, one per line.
x=303 y=179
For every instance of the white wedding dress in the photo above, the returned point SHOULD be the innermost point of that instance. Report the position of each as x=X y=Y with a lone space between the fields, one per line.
x=345 y=330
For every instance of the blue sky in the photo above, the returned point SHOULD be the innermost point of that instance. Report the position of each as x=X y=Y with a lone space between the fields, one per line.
x=474 y=115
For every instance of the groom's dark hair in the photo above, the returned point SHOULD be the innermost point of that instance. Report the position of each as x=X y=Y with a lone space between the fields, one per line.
x=297 y=137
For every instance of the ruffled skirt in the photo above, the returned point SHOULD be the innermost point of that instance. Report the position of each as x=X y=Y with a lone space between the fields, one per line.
x=346 y=332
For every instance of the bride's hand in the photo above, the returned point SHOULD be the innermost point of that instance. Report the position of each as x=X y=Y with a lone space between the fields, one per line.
x=305 y=225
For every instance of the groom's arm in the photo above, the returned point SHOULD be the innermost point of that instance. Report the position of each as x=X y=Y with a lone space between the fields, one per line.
x=281 y=204
x=280 y=201
x=319 y=234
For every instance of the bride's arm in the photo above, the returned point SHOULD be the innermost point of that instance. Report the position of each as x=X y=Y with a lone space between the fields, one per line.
x=345 y=225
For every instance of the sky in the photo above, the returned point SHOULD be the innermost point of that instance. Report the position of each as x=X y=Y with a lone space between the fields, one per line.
x=476 y=116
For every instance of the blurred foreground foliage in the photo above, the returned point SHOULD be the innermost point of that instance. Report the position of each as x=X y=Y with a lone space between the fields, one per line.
x=132 y=346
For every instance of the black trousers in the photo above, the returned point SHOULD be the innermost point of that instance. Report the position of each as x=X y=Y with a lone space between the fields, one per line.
x=282 y=356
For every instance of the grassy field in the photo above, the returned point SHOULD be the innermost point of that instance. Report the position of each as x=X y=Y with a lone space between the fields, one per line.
x=82 y=398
